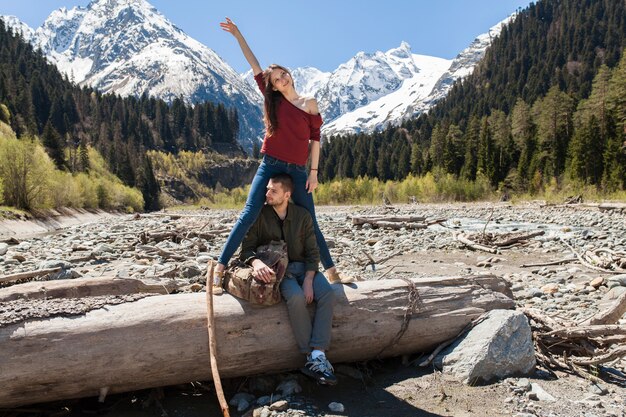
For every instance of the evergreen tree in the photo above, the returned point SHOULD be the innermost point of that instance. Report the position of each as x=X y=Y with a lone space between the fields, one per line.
x=53 y=145
x=149 y=186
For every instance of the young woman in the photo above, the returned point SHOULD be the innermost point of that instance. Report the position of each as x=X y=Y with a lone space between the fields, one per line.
x=292 y=122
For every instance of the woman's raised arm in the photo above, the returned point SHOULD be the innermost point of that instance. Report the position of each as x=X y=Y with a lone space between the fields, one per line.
x=231 y=28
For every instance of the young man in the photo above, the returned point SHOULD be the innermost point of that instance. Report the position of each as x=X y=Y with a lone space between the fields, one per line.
x=303 y=283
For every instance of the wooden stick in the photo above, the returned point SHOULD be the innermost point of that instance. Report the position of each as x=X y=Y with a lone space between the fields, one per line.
x=213 y=343
x=611 y=315
x=618 y=352
x=559 y=262
x=587 y=331
x=513 y=239
x=461 y=238
x=587 y=264
x=356 y=221
x=29 y=274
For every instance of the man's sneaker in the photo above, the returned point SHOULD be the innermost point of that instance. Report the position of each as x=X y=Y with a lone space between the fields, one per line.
x=320 y=369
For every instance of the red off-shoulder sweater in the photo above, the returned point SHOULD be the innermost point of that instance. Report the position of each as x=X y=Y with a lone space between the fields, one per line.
x=290 y=142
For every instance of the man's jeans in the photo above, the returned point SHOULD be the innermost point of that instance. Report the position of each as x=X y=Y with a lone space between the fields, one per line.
x=308 y=334
x=256 y=198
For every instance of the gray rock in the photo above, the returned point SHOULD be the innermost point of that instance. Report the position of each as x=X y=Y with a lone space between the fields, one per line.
x=3 y=249
x=336 y=407
x=288 y=387
x=264 y=400
x=281 y=405
x=55 y=263
x=241 y=396
x=540 y=393
x=500 y=346
x=597 y=389
x=190 y=269
x=242 y=405
x=102 y=249
x=619 y=279
x=523 y=385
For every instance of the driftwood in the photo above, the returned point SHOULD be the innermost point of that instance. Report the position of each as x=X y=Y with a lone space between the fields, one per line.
x=396 y=223
x=603 y=260
x=578 y=349
x=473 y=245
x=85 y=287
x=558 y=262
x=6 y=279
x=612 y=206
x=490 y=242
x=611 y=315
x=162 y=340
x=357 y=221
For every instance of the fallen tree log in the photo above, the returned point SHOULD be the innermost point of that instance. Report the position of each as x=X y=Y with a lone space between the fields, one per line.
x=357 y=221
x=162 y=340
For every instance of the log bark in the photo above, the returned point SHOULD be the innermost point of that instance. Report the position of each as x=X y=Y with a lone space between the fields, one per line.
x=162 y=340
x=85 y=287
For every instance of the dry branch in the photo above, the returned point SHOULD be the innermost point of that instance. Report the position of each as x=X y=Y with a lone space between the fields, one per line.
x=611 y=315
x=467 y=242
x=27 y=275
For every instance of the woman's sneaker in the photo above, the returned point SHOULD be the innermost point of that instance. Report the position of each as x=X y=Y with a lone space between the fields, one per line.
x=320 y=369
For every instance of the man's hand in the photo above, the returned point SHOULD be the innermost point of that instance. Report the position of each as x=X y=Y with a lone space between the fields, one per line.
x=307 y=288
x=262 y=272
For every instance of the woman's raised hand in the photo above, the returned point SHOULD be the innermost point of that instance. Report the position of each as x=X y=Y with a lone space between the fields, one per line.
x=230 y=27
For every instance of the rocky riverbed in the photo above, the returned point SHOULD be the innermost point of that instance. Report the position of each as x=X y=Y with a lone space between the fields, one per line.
x=172 y=249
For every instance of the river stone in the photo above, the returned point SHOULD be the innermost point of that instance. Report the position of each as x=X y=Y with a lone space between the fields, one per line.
x=615 y=293
x=190 y=269
x=498 y=347
x=3 y=249
x=241 y=396
x=289 y=387
x=550 y=288
x=281 y=405
x=55 y=263
x=540 y=393
x=597 y=282
x=620 y=279
x=336 y=407
x=102 y=248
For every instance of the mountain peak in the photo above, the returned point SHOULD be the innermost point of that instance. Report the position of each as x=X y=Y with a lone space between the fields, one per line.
x=403 y=51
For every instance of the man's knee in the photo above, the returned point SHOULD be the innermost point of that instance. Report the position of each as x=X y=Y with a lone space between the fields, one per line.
x=296 y=301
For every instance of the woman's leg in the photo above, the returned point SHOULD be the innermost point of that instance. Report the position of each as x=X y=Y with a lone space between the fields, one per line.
x=254 y=204
x=304 y=199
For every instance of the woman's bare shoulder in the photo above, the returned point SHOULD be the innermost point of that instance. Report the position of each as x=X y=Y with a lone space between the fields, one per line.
x=311 y=105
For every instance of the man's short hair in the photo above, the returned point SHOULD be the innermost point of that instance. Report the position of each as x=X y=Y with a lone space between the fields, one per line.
x=285 y=180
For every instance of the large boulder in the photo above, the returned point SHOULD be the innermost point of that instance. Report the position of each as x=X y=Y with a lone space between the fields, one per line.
x=500 y=346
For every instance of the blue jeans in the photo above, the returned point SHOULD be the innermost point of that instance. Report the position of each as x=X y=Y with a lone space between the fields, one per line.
x=256 y=199
x=308 y=333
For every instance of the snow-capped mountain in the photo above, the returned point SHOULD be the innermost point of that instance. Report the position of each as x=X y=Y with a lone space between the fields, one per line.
x=394 y=106
x=127 y=47
x=419 y=90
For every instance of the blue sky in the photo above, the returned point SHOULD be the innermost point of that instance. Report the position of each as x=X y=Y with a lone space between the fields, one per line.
x=321 y=33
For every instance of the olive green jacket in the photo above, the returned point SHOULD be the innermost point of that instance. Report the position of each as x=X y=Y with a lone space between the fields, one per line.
x=298 y=232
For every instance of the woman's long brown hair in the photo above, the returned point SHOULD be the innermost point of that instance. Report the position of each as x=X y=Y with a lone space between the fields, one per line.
x=272 y=98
